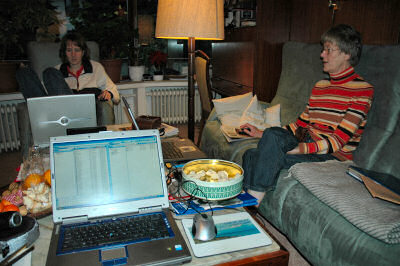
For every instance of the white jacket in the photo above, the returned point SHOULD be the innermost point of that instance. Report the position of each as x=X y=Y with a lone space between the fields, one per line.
x=97 y=78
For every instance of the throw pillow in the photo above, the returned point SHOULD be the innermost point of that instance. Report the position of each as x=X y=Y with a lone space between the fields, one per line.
x=232 y=105
x=253 y=114
x=272 y=116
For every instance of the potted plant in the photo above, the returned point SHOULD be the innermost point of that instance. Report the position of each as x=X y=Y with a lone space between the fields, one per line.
x=19 y=22
x=136 y=58
x=106 y=23
x=158 y=59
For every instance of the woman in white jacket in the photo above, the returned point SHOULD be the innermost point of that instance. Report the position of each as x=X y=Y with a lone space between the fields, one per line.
x=77 y=74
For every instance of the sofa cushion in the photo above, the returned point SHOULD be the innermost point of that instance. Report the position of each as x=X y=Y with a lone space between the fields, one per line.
x=301 y=69
x=329 y=182
x=322 y=235
x=380 y=143
x=232 y=105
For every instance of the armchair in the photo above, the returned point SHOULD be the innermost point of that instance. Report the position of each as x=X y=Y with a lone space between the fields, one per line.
x=42 y=55
x=202 y=67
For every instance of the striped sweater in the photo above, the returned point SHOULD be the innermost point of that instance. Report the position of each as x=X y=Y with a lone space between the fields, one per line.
x=336 y=115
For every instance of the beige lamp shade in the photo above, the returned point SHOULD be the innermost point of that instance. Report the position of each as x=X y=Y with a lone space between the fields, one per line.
x=181 y=19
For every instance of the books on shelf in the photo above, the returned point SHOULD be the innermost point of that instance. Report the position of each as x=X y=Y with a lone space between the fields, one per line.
x=232 y=135
x=379 y=185
x=182 y=208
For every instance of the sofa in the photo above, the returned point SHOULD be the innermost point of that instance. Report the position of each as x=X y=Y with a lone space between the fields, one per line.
x=42 y=55
x=328 y=215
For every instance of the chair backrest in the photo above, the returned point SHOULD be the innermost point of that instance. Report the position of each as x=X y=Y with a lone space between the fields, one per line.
x=202 y=65
x=42 y=55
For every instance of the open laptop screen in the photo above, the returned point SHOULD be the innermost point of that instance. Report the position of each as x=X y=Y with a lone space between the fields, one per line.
x=106 y=171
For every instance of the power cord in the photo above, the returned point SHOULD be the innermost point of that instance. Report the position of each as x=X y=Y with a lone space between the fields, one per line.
x=175 y=174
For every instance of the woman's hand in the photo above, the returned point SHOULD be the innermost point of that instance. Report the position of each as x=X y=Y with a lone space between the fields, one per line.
x=105 y=95
x=251 y=130
x=294 y=151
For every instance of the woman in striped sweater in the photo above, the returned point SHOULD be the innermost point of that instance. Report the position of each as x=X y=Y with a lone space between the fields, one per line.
x=329 y=128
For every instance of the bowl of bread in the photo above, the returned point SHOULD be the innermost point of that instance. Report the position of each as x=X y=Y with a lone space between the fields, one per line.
x=212 y=179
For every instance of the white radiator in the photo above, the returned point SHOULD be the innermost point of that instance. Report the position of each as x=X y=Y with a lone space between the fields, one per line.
x=9 y=134
x=171 y=104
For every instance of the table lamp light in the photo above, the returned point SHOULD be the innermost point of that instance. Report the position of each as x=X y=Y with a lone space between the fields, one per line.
x=191 y=20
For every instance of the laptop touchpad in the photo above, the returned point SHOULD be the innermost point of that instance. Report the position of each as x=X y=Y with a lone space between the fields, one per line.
x=187 y=148
x=115 y=255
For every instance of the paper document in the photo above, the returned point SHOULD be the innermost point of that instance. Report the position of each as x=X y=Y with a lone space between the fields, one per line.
x=235 y=231
x=231 y=135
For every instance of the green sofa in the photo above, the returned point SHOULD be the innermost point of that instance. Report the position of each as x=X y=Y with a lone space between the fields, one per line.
x=321 y=232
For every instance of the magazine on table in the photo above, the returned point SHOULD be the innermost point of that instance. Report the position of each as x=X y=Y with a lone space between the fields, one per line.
x=183 y=208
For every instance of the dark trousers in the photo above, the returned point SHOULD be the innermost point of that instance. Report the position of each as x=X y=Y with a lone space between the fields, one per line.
x=30 y=85
x=262 y=165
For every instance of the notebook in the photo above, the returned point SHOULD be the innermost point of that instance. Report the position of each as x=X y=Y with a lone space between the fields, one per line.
x=51 y=116
x=174 y=149
x=104 y=177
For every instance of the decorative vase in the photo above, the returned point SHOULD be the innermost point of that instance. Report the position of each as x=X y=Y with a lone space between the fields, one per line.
x=158 y=77
x=136 y=73
x=113 y=68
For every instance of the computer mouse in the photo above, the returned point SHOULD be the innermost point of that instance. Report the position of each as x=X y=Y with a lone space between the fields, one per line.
x=203 y=227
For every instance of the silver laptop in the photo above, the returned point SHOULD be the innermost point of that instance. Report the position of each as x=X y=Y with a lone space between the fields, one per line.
x=174 y=149
x=112 y=180
x=51 y=116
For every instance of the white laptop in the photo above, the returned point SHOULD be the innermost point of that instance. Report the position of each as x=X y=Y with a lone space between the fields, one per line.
x=107 y=178
x=51 y=116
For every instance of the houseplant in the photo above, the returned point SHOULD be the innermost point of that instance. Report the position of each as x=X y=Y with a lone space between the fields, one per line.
x=136 y=58
x=106 y=23
x=19 y=22
x=158 y=59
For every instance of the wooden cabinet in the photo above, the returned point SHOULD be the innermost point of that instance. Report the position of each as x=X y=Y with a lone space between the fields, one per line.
x=279 y=21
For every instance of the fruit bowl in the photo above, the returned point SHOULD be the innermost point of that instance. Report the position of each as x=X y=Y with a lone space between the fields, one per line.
x=210 y=188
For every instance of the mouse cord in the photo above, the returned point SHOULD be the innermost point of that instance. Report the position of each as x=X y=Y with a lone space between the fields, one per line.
x=188 y=201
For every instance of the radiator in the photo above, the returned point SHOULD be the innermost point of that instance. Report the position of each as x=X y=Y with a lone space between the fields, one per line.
x=171 y=104
x=9 y=134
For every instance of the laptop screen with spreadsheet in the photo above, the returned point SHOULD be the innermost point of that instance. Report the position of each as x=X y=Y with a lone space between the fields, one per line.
x=110 y=171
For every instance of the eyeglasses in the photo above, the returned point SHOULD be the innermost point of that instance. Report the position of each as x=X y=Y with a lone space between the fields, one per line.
x=329 y=50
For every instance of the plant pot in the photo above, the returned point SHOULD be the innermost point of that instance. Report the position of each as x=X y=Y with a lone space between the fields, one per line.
x=136 y=73
x=7 y=77
x=158 y=77
x=113 y=68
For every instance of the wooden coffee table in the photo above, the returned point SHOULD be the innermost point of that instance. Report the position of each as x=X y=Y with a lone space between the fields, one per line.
x=274 y=254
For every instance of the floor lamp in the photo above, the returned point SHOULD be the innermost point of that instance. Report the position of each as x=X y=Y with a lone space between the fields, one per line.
x=191 y=20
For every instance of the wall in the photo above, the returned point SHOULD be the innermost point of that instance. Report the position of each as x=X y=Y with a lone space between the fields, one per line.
x=279 y=21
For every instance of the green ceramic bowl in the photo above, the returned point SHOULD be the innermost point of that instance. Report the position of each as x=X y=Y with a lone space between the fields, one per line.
x=210 y=190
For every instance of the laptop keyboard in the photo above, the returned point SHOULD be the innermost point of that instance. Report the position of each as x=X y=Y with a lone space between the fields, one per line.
x=170 y=151
x=123 y=230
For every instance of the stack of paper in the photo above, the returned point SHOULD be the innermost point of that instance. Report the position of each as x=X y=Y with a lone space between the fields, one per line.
x=231 y=135
x=170 y=131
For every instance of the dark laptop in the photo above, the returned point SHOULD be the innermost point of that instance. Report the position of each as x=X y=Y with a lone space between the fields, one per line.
x=174 y=149
x=110 y=201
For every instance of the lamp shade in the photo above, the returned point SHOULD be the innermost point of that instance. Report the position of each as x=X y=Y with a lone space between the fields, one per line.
x=181 y=19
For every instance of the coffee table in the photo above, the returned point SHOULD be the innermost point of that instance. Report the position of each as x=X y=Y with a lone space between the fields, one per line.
x=274 y=254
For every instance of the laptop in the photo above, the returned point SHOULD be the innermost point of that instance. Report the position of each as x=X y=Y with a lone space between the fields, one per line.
x=107 y=179
x=175 y=150
x=51 y=116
